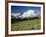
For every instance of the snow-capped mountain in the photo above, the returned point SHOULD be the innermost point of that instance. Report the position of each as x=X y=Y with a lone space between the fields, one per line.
x=27 y=14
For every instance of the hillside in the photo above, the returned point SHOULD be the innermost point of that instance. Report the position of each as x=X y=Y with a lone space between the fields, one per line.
x=21 y=25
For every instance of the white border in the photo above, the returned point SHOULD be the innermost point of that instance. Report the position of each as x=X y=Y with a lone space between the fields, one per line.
x=22 y=32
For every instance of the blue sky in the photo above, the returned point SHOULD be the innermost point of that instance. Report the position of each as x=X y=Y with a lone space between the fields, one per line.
x=15 y=9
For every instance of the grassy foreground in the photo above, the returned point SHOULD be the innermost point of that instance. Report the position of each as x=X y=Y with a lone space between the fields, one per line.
x=33 y=24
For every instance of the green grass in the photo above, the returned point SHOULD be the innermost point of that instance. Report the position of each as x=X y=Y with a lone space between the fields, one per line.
x=23 y=25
